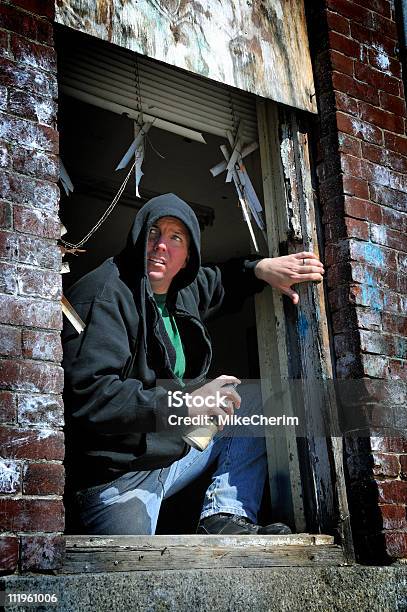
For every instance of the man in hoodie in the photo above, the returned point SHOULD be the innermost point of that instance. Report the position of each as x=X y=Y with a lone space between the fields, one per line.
x=144 y=312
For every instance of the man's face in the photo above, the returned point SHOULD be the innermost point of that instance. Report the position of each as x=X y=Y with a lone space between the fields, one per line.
x=167 y=252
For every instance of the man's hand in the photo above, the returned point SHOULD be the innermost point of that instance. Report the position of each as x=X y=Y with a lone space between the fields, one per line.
x=283 y=272
x=220 y=386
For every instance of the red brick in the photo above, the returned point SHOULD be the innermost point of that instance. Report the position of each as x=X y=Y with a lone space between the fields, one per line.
x=44 y=8
x=355 y=127
x=17 y=310
x=29 y=191
x=341 y=63
x=37 y=108
x=4 y=44
x=349 y=145
x=8 y=278
x=381 y=118
x=8 y=553
x=3 y=96
x=394 y=324
x=37 y=222
x=393 y=517
x=368 y=318
x=374 y=366
x=379 y=6
x=357 y=228
x=42 y=345
x=395 y=143
x=389 y=444
x=392 y=491
x=351 y=11
x=33 y=54
x=26 y=133
x=382 y=156
x=20 y=443
x=398 y=369
x=28 y=79
x=395 y=219
x=370 y=38
x=393 y=104
x=8 y=246
x=42 y=553
x=344 y=320
x=10 y=481
x=41 y=283
x=363 y=209
x=381 y=61
x=385 y=27
x=43 y=479
x=39 y=252
x=347 y=46
x=350 y=87
x=26 y=24
x=44 y=410
x=5 y=157
x=356 y=187
x=37 y=163
x=388 y=197
x=375 y=173
x=403 y=466
x=6 y=215
x=31 y=515
x=8 y=407
x=337 y=23
x=376 y=277
x=388 y=237
x=31 y=376
x=377 y=79
x=350 y=165
x=396 y=544
x=379 y=343
x=10 y=341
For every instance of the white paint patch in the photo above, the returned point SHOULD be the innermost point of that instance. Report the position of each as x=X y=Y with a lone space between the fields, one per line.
x=365 y=130
x=382 y=58
x=9 y=476
x=379 y=234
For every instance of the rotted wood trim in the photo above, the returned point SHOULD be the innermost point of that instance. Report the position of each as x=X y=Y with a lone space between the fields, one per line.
x=283 y=462
x=311 y=342
x=86 y=554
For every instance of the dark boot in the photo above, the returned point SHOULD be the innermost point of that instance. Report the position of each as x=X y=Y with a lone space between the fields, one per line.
x=232 y=524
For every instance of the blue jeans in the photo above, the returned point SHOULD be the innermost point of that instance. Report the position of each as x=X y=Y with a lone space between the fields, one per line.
x=130 y=504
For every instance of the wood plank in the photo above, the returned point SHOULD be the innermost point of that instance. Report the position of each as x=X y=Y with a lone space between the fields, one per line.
x=283 y=462
x=240 y=541
x=86 y=554
x=256 y=48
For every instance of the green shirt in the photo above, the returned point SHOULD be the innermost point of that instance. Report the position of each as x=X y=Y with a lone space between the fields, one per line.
x=173 y=334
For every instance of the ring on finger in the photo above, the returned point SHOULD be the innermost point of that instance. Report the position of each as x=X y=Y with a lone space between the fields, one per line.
x=303 y=262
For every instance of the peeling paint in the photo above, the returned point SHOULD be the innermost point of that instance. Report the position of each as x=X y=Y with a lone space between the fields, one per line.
x=259 y=46
x=364 y=130
x=302 y=325
x=9 y=476
x=383 y=59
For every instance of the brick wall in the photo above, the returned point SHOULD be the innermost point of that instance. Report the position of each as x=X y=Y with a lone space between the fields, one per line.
x=31 y=379
x=363 y=187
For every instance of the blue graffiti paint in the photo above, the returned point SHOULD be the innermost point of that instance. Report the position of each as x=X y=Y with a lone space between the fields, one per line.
x=372 y=254
x=302 y=325
x=401 y=347
x=372 y=297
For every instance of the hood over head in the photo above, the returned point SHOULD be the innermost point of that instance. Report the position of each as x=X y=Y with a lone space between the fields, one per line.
x=134 y=256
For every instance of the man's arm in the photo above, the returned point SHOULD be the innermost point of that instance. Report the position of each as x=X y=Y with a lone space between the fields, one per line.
x=283 y=272
x=224 y=288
